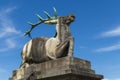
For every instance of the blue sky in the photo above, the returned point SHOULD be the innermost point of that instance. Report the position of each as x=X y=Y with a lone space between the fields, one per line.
x=96 y=31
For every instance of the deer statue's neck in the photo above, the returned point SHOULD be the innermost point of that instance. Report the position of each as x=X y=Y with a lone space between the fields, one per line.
x=62 y=29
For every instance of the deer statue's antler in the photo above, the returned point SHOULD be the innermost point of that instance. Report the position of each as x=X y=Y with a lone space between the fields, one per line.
x=41 y=20
x=55 y=12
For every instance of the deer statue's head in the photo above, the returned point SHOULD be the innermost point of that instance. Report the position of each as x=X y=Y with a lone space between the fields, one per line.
x=68 y=19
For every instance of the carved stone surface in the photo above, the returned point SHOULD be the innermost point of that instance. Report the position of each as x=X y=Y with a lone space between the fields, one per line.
x=52 y=58
x=66 y=68
x=43 y=49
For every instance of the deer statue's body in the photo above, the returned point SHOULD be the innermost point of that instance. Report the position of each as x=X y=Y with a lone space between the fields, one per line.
x=62 y=44
x=42 y=49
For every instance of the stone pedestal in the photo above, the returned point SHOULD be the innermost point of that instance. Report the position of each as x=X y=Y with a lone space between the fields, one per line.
x=66 y=68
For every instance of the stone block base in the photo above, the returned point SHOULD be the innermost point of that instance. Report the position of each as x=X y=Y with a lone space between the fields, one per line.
x=66 y=68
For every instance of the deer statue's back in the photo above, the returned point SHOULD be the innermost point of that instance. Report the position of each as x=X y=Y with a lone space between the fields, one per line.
x=34 y=50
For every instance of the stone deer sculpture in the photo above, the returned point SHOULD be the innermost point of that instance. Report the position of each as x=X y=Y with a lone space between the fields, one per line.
x=43 y=49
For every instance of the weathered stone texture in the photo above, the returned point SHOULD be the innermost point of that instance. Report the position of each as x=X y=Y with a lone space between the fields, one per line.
x=66 y=68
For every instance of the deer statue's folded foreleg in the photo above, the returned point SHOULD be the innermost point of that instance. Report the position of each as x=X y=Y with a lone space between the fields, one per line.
x=56 y=49
x=71 y=46
x=65 y=48
x=62 y=49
